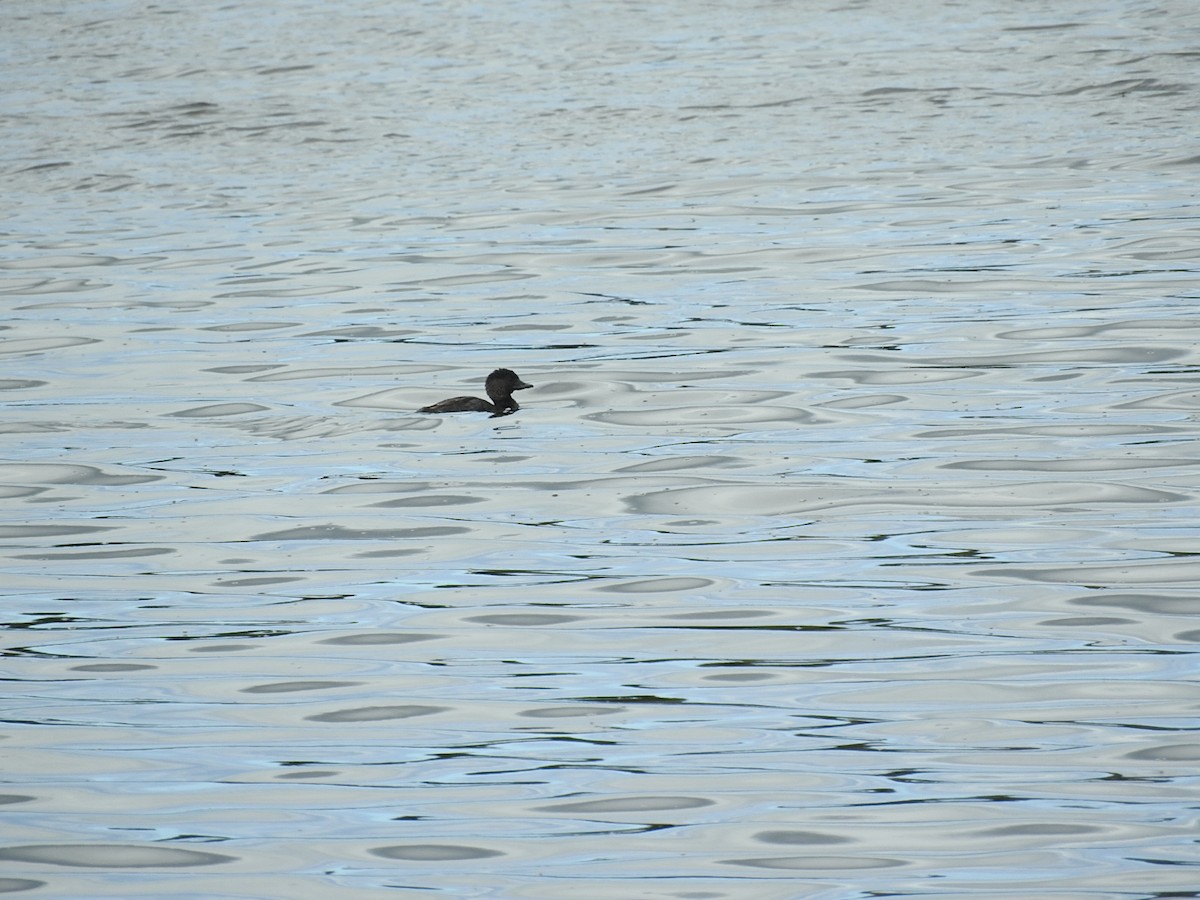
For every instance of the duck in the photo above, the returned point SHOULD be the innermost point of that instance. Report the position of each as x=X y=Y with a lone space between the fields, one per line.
x=499 y=386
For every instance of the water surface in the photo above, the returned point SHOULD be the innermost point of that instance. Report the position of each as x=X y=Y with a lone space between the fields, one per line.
x=844 y=547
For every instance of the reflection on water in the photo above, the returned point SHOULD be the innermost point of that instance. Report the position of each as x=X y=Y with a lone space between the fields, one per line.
x=846 y=546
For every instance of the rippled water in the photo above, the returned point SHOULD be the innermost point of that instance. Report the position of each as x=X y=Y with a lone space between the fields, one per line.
x=845 y=546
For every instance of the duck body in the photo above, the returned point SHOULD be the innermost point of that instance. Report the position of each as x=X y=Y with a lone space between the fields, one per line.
x=500 y=386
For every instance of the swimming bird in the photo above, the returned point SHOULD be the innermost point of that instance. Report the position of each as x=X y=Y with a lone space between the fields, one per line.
x=499 y=386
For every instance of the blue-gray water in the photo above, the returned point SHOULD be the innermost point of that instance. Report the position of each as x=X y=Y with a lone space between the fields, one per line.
x=844 y=548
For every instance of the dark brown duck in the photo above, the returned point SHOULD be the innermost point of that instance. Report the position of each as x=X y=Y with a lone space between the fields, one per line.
x=499 y=386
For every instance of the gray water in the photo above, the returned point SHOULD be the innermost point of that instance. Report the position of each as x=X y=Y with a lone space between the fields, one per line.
x=845 y=547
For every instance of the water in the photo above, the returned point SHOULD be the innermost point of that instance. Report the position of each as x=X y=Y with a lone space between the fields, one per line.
x=845 y=546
